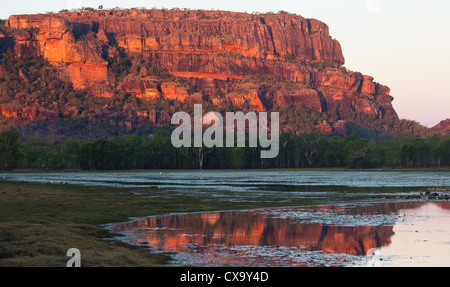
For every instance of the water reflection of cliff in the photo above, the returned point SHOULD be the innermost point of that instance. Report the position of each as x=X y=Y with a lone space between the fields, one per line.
x=231 y=234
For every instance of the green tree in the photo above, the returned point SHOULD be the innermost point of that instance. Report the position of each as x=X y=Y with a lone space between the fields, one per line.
x=9 y=150
x=308 y=148
x=100 y=154
x=36 y=154
x=356 y=152
x=238 y=158
x=162 y=148
x=286 y=150
x=57 y=156
x=333 y=155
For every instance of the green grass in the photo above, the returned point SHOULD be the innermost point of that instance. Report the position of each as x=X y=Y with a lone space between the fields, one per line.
x=39 y=223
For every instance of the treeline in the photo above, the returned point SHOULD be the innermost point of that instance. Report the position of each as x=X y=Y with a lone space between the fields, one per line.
x=156 y=152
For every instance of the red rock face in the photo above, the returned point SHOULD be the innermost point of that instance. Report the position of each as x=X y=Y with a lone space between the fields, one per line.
x=443 y=128
x=341 y=128
x=13 y=111
x=85 y=75
x=2 y=33
x=353 y=91
x=324 y=128
x=146 y=87
x=308 y=98
x=56 y=42
x=210 y=51
x=251 y=97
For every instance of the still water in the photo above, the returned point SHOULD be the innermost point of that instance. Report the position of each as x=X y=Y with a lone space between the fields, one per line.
x=279 y=187
x=382 y=234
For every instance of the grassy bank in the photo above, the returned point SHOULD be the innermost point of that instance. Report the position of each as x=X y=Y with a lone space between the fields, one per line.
x=39 y=223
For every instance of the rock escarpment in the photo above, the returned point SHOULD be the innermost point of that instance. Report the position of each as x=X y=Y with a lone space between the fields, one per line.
x=260 y=61
x=443 y=128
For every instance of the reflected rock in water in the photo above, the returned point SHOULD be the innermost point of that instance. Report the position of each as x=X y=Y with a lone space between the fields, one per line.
x=269 y=237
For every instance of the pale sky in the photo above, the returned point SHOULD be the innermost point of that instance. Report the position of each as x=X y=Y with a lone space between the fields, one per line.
x=403 y=44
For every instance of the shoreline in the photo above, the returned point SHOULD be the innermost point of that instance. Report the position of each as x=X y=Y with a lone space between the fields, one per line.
x=424 y=169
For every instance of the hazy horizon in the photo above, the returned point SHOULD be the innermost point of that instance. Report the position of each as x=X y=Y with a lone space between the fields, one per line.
x=402 y=44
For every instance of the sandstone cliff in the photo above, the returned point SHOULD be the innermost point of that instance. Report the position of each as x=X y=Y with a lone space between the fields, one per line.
x=443 y=128
x=260 y=61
